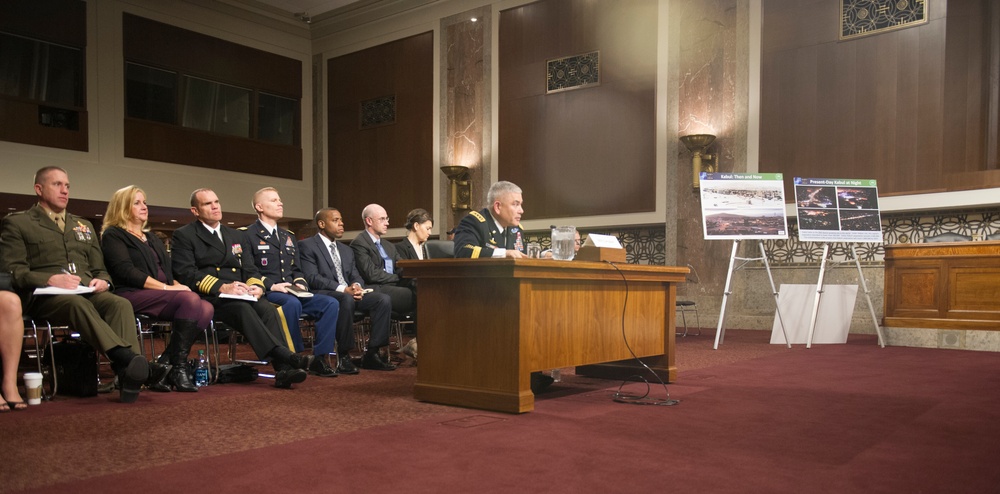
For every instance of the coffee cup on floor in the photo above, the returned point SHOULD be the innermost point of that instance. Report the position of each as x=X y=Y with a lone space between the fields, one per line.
x=33 y=387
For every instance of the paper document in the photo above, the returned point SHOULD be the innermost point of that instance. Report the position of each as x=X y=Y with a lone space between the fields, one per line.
x=298 y=292
x=51 y=290
x=246 y=296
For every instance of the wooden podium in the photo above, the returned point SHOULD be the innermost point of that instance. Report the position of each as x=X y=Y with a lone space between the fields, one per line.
x=943 y=285
x=486 y=324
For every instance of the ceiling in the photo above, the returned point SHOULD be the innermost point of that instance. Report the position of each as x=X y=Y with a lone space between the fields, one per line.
x=308 y=7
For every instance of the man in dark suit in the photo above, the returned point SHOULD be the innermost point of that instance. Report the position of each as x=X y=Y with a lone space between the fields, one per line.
x=494 y=231
x=377 y=261
x=275 y=254
x=46 y=246
x=209 y=257
x=330 y=269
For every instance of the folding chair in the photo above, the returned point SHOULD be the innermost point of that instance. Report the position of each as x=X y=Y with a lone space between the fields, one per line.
x=40 y=334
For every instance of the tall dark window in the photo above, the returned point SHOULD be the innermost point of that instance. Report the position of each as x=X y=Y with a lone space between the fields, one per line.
x=151 y=93
x=43 y=67
x=41 y=71
x=216 y=107
x=277 y=119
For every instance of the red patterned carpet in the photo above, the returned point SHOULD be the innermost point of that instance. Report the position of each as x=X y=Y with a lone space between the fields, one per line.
x=753 y=417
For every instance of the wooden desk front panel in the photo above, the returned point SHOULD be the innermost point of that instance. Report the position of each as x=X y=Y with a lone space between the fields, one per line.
x=580 y=323
x=486 y=325
x=944 y=285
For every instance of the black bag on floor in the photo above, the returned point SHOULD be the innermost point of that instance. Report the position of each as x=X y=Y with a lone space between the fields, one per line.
x=236 y=373
x=229 y=373
x=76 y=368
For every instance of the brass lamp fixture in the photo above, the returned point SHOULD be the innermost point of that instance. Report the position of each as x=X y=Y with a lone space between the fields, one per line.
x=461 y=187
x=698 y=144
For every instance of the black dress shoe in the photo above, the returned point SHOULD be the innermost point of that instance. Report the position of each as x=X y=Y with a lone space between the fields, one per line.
x=373 y=361
x=345 y=366
x=286 y=378
x=159 y=377
x=320 y=368
x=132 y=376
x=540 y=381
x=303 y=362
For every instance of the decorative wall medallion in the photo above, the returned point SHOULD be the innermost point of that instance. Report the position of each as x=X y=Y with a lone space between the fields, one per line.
x=574 y=72
x=378 y=111
x=864 y=17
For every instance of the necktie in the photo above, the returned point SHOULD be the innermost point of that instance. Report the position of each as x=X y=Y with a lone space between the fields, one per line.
x=218 y=235
x=60 y=223
x=337 y=266
x=385 y=257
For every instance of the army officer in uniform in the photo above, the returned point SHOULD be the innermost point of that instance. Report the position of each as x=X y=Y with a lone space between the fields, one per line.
x=274 y=252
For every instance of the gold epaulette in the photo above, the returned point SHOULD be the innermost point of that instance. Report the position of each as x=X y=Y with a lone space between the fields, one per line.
x=478 y=216
x=475 y=251
x=290 y=232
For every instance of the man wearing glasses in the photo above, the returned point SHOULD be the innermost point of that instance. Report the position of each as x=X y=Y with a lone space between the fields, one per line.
x=377 y=262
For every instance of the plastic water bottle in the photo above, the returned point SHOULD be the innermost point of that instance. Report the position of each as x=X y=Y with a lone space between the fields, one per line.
x=201 y=370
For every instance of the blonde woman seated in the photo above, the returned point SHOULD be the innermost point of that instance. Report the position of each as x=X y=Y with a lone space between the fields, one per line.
x=418 y=230
x=140 y=268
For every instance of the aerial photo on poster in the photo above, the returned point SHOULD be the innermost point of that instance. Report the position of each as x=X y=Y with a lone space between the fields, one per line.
x=837 y=210
x=743 y=206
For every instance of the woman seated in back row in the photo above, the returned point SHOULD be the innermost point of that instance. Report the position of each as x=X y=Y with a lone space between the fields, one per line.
x=418 y=230
x=140 y=268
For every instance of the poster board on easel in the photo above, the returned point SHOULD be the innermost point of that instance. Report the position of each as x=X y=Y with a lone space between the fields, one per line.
x=838 y=210
x=738 y=207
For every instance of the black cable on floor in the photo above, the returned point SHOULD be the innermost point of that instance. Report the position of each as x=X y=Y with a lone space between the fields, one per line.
x=644 y=399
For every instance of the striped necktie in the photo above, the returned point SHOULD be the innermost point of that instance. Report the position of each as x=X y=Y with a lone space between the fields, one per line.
x=338 y=267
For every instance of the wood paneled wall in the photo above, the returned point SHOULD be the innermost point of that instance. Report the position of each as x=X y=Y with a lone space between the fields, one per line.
x=588 y=151
x=391 y=164
x=172 y=48
x=906 y=107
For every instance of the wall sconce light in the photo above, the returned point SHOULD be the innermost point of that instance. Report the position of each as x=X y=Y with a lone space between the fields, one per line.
x=698 y=144
x=461 y=187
